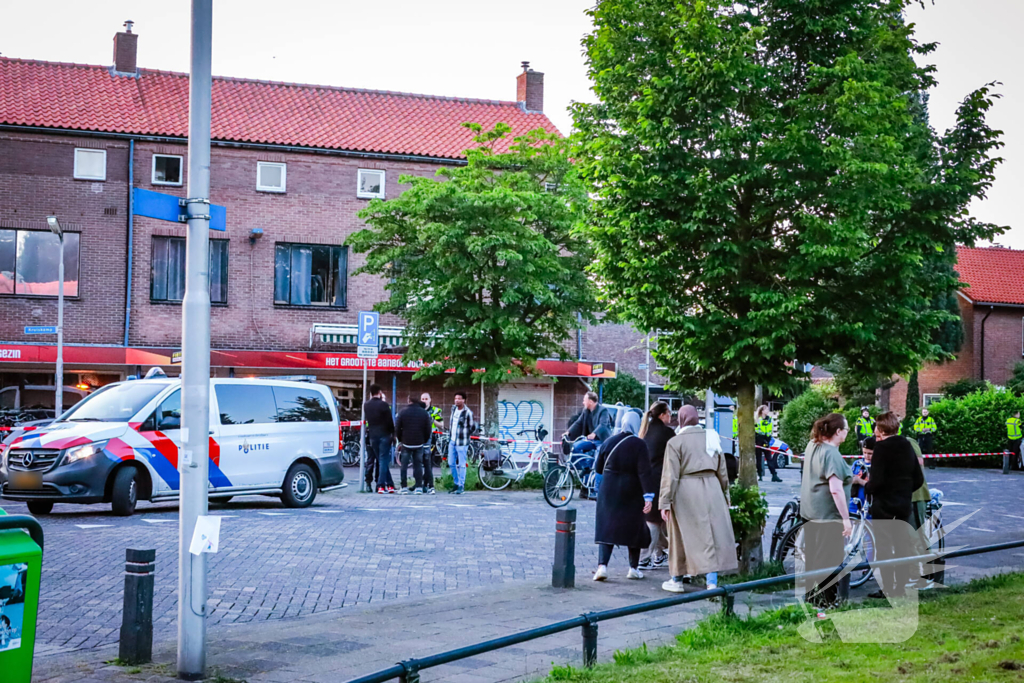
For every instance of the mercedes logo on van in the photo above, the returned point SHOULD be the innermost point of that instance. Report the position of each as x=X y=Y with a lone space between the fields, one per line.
x=28 y=459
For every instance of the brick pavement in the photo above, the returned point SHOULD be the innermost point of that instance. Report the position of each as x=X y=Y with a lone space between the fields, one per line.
x=394 y=564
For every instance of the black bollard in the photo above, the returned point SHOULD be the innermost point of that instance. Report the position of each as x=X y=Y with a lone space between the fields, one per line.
x=563 y=571
x=589 y=643
x=1006 y=463
x=137 y=614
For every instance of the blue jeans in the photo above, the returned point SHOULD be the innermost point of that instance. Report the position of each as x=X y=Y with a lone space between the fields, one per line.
x=382 y=445
x=457 y=459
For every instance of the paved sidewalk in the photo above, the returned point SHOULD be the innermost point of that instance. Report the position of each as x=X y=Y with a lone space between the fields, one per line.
x=337 y=646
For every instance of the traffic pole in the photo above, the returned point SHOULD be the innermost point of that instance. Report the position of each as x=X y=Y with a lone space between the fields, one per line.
x=58 y=399
x=647 y=377
x=362 y=434
x=193 y=461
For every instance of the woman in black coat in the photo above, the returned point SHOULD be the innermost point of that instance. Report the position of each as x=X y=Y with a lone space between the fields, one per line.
x=895 y=475
x=625 y=496
x=656 y=433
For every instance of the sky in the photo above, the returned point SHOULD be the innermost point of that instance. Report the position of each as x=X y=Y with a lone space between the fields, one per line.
x=470 y=48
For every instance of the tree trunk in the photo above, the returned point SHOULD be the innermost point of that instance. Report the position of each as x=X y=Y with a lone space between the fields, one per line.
x=750 y=547
x=490 y=417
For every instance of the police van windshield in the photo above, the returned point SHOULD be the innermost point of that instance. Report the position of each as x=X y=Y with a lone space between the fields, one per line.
x=114 y=402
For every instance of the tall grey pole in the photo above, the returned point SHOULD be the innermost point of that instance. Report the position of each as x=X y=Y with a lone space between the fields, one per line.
x=58 y=399
x=647 y=377
x=362 y=435
x=193 y=463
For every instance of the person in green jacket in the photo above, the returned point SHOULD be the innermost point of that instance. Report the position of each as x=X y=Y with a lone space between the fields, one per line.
x=924 y=430
x=1014 y=437
x=864 y=427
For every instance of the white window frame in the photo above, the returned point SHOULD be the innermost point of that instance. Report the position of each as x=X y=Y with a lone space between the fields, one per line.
x=152 y=175
x=925 y=402
x=89 y=150
x=260 y=165
x=371 y=195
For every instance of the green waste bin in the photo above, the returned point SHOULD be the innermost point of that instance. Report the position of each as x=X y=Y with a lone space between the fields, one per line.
x=21 y=560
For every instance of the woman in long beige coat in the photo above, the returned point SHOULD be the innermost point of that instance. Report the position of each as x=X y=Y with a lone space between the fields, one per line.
x=694 y=502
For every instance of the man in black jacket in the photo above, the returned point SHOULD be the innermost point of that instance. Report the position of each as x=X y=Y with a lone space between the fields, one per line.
x=413 y=429
x=380 y=433
x=895 y=475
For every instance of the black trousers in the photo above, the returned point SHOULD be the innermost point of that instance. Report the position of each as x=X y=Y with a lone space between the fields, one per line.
x=762 y=441
x=925 y=441
x=892 y=541
x=416 y=456
x=604 y=554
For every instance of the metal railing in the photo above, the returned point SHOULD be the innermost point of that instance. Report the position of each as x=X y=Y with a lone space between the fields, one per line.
x=408 y=671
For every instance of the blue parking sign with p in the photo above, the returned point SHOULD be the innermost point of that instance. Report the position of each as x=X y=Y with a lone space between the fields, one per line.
x=369 y=324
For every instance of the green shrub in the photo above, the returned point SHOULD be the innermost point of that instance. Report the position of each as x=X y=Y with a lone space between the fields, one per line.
x=963 y=387
x=975 y=423
x=625 y=388
x=799 y=415
x=748 y=510
x=1016 y=383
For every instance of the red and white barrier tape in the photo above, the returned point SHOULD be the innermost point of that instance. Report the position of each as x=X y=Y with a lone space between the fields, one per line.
x=926 y=456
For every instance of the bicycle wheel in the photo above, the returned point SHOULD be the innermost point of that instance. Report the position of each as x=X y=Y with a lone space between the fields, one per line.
x=350 y=454
x=499 y=478
x=473 y=452
x=936 y=543
x=791 y=550
x=866 y=553
x=787 y=518
x=558 y=486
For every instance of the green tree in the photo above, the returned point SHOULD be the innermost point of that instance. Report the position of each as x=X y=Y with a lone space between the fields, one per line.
x=763 y=192
x=1016 y=382
x=485 y=267
x=625 y=388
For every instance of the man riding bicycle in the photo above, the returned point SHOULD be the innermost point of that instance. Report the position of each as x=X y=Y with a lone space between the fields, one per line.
x=595 y=424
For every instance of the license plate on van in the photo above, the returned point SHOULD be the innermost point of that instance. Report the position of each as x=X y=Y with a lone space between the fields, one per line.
x=26 y=480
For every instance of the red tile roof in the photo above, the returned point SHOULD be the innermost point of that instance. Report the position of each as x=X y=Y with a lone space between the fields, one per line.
x=83 y=97
x=994 y=275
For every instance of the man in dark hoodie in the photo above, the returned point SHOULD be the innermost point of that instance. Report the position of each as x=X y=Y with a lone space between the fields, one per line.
x=413 y=429
x=380 y=432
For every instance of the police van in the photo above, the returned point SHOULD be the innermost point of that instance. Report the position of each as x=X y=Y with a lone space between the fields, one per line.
x=121 y=445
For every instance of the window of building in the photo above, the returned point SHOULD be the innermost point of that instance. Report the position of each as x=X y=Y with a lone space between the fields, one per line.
x=310 y=275
x=270 y=177
x=91 y=164
x=245 y=404
x=301 y=405
x=167 y=280
x=30 y=262
x=370 y=184
x=167 y=169
x=929 y=399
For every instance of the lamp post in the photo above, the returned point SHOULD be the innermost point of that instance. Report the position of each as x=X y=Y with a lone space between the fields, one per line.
x=58 y=401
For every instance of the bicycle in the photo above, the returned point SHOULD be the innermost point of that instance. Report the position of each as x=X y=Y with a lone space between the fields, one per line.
x=507 y=470
x=350 y=447
x=561 y=481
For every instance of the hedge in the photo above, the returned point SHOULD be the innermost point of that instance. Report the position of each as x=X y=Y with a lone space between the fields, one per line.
x=975 y=423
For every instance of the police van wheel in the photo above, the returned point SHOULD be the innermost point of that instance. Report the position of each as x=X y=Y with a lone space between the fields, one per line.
x=125 y=492
x=299 y=486
x=40 y=507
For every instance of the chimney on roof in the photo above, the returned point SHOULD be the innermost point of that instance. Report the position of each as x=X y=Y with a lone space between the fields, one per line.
x=530 y=89
x=126 y=46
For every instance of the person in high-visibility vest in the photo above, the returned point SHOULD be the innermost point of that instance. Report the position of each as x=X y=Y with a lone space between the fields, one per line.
x=924 y=430
x=864 y=427
x=1014 y=437
x=436 y=423
x=763 y=429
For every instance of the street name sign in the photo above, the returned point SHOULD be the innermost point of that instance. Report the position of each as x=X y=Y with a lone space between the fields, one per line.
x=41 y=329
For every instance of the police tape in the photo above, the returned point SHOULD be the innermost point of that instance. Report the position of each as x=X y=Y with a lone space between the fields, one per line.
x=926 y=456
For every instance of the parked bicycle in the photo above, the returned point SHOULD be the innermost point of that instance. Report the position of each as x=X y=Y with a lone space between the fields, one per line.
x=350 y=447
x=860 y=547
x=498 y=474
x=562 y=480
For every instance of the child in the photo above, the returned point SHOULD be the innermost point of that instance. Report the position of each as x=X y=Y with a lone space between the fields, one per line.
x=861 y=469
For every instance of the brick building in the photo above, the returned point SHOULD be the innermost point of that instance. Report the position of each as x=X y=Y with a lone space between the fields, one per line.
x=292 y=164
x=992 y=310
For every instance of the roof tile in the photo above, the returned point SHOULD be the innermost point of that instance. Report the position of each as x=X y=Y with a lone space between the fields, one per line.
x=91 y=98
x=994 y=274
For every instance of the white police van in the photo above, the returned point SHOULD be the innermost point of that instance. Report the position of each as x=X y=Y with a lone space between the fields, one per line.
x=121 y=445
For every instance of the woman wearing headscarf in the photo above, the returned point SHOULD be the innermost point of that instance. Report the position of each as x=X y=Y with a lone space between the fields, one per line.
x=694 y=502
x=656 y=433
x=625 y=496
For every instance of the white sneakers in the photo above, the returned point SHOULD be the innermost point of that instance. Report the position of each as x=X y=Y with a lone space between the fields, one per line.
x=602 y=573
x=673 y=586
